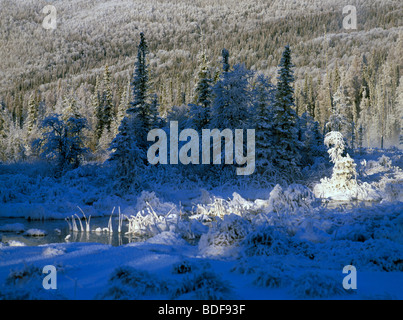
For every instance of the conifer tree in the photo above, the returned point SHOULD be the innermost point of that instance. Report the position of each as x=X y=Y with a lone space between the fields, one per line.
x=202 y=95
x=200 y=111
x=104 y=109
x=286 y=146
x=124 y=103
x=141 y=115
x=130 y=145
x=225 y=60
x=70 y=109
x=32 y=116
x=263 y=97
x=232 y=99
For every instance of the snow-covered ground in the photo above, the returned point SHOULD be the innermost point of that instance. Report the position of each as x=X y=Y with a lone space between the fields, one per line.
x=275 y=243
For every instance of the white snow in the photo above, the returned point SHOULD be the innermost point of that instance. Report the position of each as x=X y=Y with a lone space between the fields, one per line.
x=35 y=233
x=285 y=243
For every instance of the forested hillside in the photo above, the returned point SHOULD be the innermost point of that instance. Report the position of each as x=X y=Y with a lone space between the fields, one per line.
x=356 y=72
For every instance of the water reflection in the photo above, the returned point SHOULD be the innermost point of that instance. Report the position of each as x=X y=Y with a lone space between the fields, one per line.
x=58 y=232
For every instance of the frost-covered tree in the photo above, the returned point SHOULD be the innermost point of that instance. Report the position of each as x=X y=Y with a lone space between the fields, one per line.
x=263 y=97
x=344 y=172
x=155 y=118
x=341 y=118
x=104 y=110
x=225 y=60
x=4 y=122
x=311 y=139
x=399 y=108
x=124 y=104
x=142 y=116
x=63 y=141
x=127 y=157
x=233 y=99
x=202 y=94
x=129 y=147
x=285 y=144
x=96 y=96
x=343 y=184
x=32 y=116
x=200 y=111
x=4 y=132
x=70 y=108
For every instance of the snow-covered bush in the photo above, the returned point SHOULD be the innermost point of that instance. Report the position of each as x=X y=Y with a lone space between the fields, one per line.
x=295 y=198
x=311 y=230
x=167 y=238
x=54 y=251
x=26 y=284
x=182 y=267
x=204 y=285
x=271 y=277
x=14 y=187
x=149 y=199
x=266 y=240
x=316 y=284
x=391 y=229
x=219 y=207
x=148 y=223
x=35 y=233
x=393 y=190
x=15 y=243
x=382 y=255
x=354 y=232
x=127 y=283
x=225 y=237
x=383 y=164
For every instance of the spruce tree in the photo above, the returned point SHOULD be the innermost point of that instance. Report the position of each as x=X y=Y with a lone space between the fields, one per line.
x=126 y=156
x=341 y=118
x=232 y=99
x=32 y=116
x=130 y=145
x=3 y=122
x=225 y=60
x=263 y=97
x=70 y=109
x=286 y=146
x=200 y=111
x=4 y=132
x=141 y=115
x=104 y=104
x=124 y=103
x=202 y=95
x=107 y=98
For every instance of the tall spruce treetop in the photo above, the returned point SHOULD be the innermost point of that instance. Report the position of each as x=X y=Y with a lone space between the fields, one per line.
x=130 y=144
x=262 y=104
x=3 y=122
x=107 y=100
x=203 y=82
x=200 y=111
x=285 y=92
x=233 y=99
x=140 y=81
x=141 y=112
x=286 y=146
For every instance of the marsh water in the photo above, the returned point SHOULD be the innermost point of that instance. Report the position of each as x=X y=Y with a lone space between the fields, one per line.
x=57 y=231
